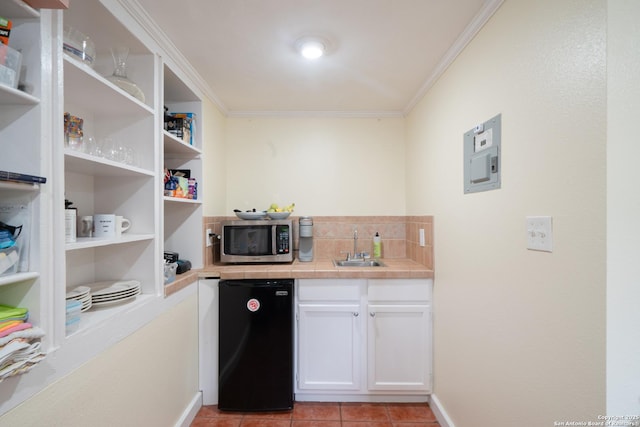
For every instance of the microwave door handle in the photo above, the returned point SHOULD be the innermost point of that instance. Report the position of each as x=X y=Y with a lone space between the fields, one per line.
x=274 y=239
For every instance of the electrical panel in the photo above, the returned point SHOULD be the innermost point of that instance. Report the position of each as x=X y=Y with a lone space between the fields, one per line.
x=482 y=156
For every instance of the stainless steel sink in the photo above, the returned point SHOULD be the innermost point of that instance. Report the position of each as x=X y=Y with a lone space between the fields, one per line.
x=358 y=263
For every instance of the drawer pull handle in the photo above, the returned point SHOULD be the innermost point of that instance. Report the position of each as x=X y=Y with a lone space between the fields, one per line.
x=372 y=314
x=356 y=314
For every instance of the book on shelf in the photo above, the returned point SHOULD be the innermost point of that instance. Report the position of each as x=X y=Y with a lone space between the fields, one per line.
x=21 y=177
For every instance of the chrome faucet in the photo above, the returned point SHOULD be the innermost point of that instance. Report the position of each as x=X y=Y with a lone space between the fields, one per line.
x=355 y=255
x=355 y=243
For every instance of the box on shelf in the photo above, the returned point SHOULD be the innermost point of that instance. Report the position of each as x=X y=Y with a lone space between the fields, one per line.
x=181 y=125
x=177 y=183
x=177 y=186
x=10 y=62
x=5 y=30
x=193 y=189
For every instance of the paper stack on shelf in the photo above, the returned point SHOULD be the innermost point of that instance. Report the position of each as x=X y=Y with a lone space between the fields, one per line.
x=19 y=342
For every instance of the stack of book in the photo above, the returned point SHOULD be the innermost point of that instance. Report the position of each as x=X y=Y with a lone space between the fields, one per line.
x=21 y=177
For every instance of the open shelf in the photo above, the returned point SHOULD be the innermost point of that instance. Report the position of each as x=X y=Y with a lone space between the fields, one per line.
x=182 y=200
x=175 y=147
x=76 y=161
x=11 y=96
x=97 y=316
x=18 y=186
x=18 y=277
x=82 y=80
x=95 y=242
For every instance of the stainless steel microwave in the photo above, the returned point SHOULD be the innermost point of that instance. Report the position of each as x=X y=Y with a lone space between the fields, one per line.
x=259 y=241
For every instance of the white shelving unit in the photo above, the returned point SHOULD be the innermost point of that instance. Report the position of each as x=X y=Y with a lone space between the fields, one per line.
x=183 y=217
x=97 y=183
x=32 y=142
x=21 y=142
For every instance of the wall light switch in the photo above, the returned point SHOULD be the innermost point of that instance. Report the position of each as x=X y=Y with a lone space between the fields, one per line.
x=539 y=233
x=421 y=235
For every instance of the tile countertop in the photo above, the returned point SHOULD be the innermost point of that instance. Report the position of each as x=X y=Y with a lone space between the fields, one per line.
x=320 y=269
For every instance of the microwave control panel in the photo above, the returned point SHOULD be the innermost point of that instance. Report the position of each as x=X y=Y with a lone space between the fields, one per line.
x=283 y=233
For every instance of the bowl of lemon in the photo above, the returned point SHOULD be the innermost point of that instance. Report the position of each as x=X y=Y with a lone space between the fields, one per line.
x=277 y=212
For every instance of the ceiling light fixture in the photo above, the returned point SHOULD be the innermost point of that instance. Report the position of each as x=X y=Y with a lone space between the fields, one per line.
x=311 y=47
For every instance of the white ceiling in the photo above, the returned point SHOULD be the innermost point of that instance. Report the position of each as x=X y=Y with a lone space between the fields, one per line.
x=383 y=54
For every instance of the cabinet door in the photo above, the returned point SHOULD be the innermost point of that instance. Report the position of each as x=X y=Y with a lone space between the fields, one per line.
x=399 y=350
x=329 y=340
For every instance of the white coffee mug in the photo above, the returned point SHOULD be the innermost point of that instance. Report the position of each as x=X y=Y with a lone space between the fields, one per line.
x=122 y=225
x=104 y=225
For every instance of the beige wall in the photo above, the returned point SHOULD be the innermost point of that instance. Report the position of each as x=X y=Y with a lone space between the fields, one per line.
x=519 y=335
x=148 y=379
x=623 y=208
x=327 y=166
x=214 y=167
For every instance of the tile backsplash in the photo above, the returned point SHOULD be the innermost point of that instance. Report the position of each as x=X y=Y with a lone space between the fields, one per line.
x=333 y=236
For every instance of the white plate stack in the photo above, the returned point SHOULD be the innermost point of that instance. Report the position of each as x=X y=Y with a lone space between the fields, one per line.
x=82 y=294
x=113 y=292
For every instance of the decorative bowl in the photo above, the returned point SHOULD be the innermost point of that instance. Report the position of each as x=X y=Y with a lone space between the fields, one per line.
x=278 y=215
x=77 y=44
x=251 y=215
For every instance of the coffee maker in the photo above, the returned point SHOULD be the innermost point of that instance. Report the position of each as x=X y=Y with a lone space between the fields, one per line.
x=305 y=241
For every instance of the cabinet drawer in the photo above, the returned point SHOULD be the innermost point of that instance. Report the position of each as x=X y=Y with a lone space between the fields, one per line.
x=330 y=289
x=400 y=290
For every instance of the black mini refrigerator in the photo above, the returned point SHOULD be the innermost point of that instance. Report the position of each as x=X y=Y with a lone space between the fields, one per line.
x=255 y=371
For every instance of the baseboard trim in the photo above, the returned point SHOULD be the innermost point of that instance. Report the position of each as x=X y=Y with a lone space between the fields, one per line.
x=190 y=412
x=438 y=410
x=372 y=398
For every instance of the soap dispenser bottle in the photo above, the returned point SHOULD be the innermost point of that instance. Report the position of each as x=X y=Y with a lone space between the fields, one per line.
x=377 y=245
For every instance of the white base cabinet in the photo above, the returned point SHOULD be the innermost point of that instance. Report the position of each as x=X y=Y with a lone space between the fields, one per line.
x=399 y=347
x=330 y=334
x=365 y=339
x=329 y=361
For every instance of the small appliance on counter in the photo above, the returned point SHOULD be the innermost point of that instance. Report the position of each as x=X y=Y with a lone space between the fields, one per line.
x=305 y=243
x=256 y=241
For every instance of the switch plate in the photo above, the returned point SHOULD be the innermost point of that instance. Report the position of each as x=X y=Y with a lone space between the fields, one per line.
x=208 y=237
x=421 y=236
x=539 y=233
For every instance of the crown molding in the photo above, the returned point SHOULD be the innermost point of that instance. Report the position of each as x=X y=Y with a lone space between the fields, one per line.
x=169 y=49
x=487 y=11
x=315 y=114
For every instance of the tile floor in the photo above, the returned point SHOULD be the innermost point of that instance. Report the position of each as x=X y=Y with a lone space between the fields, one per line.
x=316 y=414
